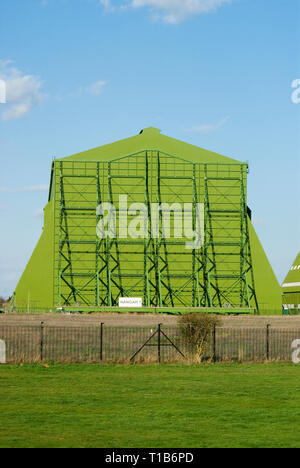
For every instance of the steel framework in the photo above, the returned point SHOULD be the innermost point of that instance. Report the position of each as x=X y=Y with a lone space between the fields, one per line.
x=94 y=271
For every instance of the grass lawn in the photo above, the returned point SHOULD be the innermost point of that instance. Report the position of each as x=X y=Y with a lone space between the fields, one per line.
x=150 y=406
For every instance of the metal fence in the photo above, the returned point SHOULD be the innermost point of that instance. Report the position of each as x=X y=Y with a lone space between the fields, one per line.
x=165 y=344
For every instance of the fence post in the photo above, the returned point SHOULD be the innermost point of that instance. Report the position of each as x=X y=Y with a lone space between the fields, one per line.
x=41 y=341
x=268 y=342
x=214 y=344
x=101 y=341
x=159 y=342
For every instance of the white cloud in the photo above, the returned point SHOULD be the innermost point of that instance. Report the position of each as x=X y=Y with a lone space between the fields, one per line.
x=208 y=128
x=30 y=188
x=95 y=89
x=38 y=213
x=173 y=11
x=106 y=4
x=23 y=92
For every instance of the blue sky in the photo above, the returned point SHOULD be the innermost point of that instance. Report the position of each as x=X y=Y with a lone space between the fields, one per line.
x=215 y=73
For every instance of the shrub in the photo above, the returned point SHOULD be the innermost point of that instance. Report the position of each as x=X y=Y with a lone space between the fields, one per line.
x=197 y=329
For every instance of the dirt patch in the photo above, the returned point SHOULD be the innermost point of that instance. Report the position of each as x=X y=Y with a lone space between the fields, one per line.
x=118 y=320
x=142 y=320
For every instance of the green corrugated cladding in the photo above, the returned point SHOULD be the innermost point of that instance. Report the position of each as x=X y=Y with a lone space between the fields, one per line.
x=267 y=286
x=36 y=288
x=291 y=286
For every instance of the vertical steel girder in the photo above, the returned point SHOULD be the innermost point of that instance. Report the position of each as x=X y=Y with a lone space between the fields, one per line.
x=211 y=289
x=64 y=241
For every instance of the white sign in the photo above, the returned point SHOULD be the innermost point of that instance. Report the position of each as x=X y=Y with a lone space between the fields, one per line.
x=290 y=285
x=2 y=352
x=130 y=302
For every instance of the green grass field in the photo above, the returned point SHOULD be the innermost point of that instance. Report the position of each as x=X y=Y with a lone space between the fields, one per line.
x=150 y=406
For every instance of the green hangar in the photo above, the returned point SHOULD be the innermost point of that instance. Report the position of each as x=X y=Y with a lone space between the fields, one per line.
x=151 y=221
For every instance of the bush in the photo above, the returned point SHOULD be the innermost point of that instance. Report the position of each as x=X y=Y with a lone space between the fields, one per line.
x=197 y=329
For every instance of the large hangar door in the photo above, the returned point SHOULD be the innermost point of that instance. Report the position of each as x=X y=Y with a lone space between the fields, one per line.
x=77 y=195
x=155 y=197
x=127 y=192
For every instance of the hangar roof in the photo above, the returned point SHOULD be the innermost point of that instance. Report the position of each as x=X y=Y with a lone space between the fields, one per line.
x=150 y=139
x=292 y=281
